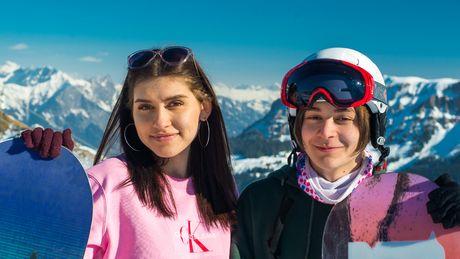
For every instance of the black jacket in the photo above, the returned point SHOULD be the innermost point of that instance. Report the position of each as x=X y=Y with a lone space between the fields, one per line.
x=276 y=219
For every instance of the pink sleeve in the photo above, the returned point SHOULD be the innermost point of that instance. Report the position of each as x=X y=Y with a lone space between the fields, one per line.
x=97 y=242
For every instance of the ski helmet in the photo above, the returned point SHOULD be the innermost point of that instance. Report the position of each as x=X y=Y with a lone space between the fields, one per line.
x=343 y=77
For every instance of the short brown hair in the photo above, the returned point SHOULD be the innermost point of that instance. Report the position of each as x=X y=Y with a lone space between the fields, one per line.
x=362 y=120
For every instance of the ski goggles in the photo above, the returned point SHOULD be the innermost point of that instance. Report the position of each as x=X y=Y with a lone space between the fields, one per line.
x=341 y=83
x=172 y=56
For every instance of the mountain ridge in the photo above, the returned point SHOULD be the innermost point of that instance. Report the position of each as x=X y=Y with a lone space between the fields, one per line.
x=423 y=125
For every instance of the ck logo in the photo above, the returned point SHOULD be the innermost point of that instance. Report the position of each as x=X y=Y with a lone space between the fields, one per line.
x=187 y=236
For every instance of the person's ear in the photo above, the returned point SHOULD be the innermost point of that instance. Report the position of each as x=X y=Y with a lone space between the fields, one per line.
x=206 y=109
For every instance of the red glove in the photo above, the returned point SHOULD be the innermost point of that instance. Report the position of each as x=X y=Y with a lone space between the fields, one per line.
x=47 y=142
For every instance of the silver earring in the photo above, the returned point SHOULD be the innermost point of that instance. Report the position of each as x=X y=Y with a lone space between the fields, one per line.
x=126 y=139
x=208 y=136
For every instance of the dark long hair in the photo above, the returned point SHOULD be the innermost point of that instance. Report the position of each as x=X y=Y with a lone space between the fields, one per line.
x=209 y=167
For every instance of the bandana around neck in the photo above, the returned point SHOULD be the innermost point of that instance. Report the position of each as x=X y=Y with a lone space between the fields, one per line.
x=327 y=192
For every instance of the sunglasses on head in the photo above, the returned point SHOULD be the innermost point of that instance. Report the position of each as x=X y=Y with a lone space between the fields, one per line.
x=172 y=56
x=339 y=82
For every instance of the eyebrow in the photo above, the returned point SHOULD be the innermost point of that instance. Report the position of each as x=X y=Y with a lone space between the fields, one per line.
x=174 y=97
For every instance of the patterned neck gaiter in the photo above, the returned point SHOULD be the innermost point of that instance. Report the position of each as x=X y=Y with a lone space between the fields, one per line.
x=327 y=192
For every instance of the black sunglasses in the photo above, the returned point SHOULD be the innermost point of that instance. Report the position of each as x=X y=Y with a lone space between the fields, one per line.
x=173 y=56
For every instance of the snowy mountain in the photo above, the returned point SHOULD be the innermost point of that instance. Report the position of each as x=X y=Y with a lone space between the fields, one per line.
x=424 y=118
x=423 y=130
x=244 y=104
x=51 y=98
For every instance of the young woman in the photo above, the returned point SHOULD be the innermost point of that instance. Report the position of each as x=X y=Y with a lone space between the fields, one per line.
x=170 y=194
x=337 y=105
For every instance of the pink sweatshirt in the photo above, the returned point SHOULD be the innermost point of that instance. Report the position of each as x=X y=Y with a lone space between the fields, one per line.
x=124 y=228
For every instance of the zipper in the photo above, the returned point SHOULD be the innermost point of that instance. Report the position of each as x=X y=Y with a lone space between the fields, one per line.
x=310 y=222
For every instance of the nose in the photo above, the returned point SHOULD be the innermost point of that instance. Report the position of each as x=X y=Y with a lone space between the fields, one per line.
x=161 y=118
x=328 y=129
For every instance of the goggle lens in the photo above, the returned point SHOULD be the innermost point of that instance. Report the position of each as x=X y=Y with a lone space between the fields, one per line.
x=337 y=82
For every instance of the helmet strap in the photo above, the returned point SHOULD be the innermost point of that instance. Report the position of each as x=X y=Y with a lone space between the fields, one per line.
x=381 y=166
x=292 y=157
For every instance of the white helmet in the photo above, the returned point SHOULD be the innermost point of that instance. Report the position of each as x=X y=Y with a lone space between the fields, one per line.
x=344 y=77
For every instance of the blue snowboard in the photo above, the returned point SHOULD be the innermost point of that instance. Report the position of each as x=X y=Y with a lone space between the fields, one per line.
x=45 y=205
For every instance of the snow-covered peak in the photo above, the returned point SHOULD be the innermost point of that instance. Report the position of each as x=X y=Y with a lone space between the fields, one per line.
x=103 y=81
x=405 y=90
x=275 y=86
x=30 y=76
x=8 y=67
x=247 y=93
x=53 y=98
x=243 y=104
x=413 y=80
x=391 y=80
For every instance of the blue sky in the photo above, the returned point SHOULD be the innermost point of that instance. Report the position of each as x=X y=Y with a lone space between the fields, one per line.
x=237 y=42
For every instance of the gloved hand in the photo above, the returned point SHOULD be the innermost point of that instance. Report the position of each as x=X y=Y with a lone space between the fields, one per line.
x=444 y=203
x=47 y=142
